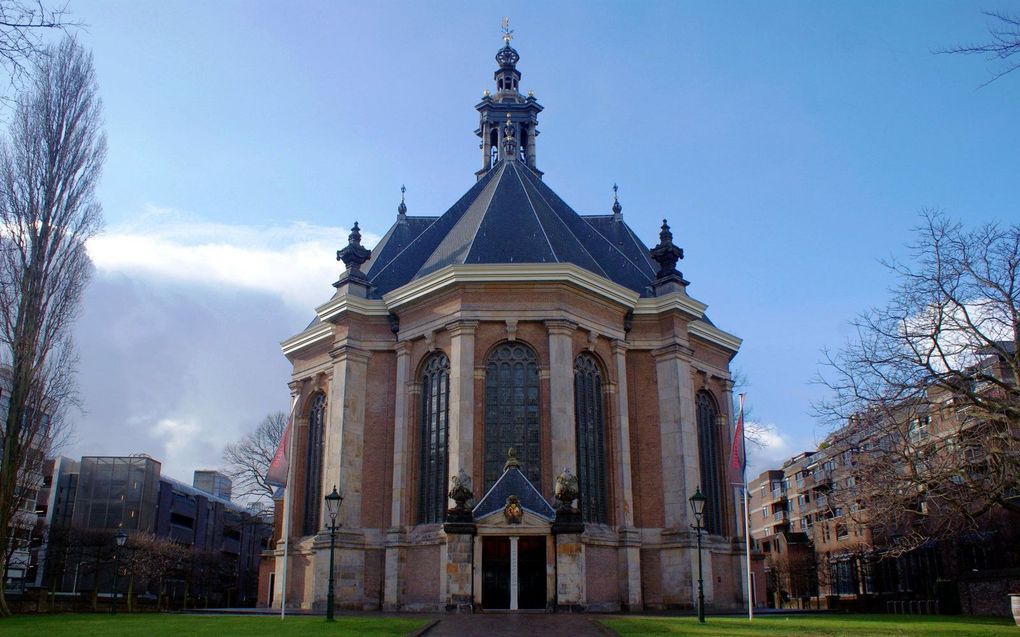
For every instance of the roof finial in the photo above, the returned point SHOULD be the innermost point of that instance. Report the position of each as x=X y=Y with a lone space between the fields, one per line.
x=354 y=254
x=617 y=208
x=511 y=460
x=402 y=208
x=508 y=33
x=509 y=139
x=667 y=254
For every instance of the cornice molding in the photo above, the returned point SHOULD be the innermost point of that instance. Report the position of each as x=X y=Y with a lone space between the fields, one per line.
x=714 y=335
x=511 y=273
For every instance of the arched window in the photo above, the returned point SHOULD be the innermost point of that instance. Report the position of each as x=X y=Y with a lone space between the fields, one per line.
x=591 y=439
x=710 y=449
x=511 y=412
x=313 y=464
x=434 y=440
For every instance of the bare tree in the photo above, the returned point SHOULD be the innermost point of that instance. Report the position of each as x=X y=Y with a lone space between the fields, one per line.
x=927 y=393
x=1004 y=32
x=50 y=164
x=247 y=460
x=23 y=30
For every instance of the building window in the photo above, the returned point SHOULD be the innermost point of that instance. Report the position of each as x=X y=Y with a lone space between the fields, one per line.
x=434 y=440
x=512 y=412
x=313 y=464
x=710 y=446
x=591 y=444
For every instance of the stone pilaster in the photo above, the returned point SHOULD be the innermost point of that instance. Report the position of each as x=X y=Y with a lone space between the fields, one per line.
x=459 y=572
x=571 y=585
x=678 y=432
x=401 y=464
x=345 y=436
x=630 y=539
x=462 y=398
x=288 y=510
x=561 y=396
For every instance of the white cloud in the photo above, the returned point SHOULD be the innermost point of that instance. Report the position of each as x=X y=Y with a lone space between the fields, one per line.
x=295 y=262
x=773 y=448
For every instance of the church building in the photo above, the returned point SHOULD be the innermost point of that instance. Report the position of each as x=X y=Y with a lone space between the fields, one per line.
x=516 y=403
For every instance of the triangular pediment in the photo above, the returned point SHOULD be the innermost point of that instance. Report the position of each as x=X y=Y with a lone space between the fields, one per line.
x=513 y=483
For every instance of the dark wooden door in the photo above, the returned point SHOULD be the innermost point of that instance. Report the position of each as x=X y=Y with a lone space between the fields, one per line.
x=496 y=572
x=531 y=576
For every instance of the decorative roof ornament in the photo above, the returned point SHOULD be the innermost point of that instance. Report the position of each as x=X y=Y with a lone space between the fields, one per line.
x=402 y=208
x=355 y=254
x=509 y=139
x=511 y=460
x=666 y=254
x=507 y=56
x=508 y=33
x=617 y=208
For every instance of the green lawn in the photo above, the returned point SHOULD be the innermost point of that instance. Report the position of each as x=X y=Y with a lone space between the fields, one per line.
x=818 y=626
x=202 y=626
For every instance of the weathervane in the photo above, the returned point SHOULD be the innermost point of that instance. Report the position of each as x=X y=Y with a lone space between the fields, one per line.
x=508 y=33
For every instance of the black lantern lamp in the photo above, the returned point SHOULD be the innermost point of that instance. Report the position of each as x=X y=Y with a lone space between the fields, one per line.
x=120 y=537
x=333 y=501
x=698 y=501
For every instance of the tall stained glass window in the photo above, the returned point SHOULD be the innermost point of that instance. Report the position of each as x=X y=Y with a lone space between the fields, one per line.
x=710 y=449
x=591 y=439
x=313 y=464
x=512 y=412
x=434 y=439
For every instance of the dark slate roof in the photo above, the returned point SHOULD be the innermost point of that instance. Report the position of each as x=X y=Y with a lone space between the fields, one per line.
x=510 y=216
x=513 y=482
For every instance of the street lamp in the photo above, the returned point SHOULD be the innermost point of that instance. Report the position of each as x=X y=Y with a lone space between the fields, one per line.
x=333 y=501
x=698 y=501
x=120 y=537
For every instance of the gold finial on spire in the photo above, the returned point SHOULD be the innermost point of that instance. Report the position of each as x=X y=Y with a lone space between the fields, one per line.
x=508 y=33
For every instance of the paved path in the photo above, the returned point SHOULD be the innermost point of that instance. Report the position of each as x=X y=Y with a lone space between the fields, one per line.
x=517 y=625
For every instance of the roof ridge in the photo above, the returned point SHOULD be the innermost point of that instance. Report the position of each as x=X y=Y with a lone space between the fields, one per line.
x=567 y=227
x=537 y=218
x=485 y=210
x=637 y=244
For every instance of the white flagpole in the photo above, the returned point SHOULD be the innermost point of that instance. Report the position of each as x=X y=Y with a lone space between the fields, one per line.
x=286 y=507
x=747 y=515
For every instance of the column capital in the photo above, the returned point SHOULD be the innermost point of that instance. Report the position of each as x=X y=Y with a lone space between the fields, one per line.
x=619 y=346
x=672 y=351
x=349 y=352
x=462 y=327
x=295 y=386
x=560 y=327
x=402 y=348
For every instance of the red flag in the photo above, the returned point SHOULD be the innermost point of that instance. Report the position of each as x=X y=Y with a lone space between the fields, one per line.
x=279 y=467
x=737 y=457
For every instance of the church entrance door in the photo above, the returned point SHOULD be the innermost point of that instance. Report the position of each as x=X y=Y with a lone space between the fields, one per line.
x=513 y=573
x=531 y=572
x=496 y=573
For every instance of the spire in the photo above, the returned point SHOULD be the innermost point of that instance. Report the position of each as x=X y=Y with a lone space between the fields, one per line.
x=617 y=208
x=507 y=99
x=402 y=208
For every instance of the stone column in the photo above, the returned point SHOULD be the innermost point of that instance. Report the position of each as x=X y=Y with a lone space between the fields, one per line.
x=514 y=572
x=679 y=434
x=561 y=396
x=486 y=148
x=630 y=539
x=345 y=436
x=462 y=399
x=401 y=441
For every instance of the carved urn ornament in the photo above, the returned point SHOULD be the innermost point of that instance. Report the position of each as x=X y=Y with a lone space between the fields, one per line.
x=460 y=491
x=566 y=490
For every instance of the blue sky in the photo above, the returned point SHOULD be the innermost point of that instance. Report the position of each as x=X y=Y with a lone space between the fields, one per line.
x=791 y=145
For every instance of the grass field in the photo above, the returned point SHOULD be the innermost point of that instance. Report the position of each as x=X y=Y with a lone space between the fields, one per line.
x=818 y=626
x=202 y=626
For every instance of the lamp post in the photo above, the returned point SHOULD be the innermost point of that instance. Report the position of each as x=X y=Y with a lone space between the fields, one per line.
x=698 y=501
x=333 y=501
x=121 y=538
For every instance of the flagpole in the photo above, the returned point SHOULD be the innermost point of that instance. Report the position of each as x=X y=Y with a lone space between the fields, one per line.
x=286 y=508
x=747 y=516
